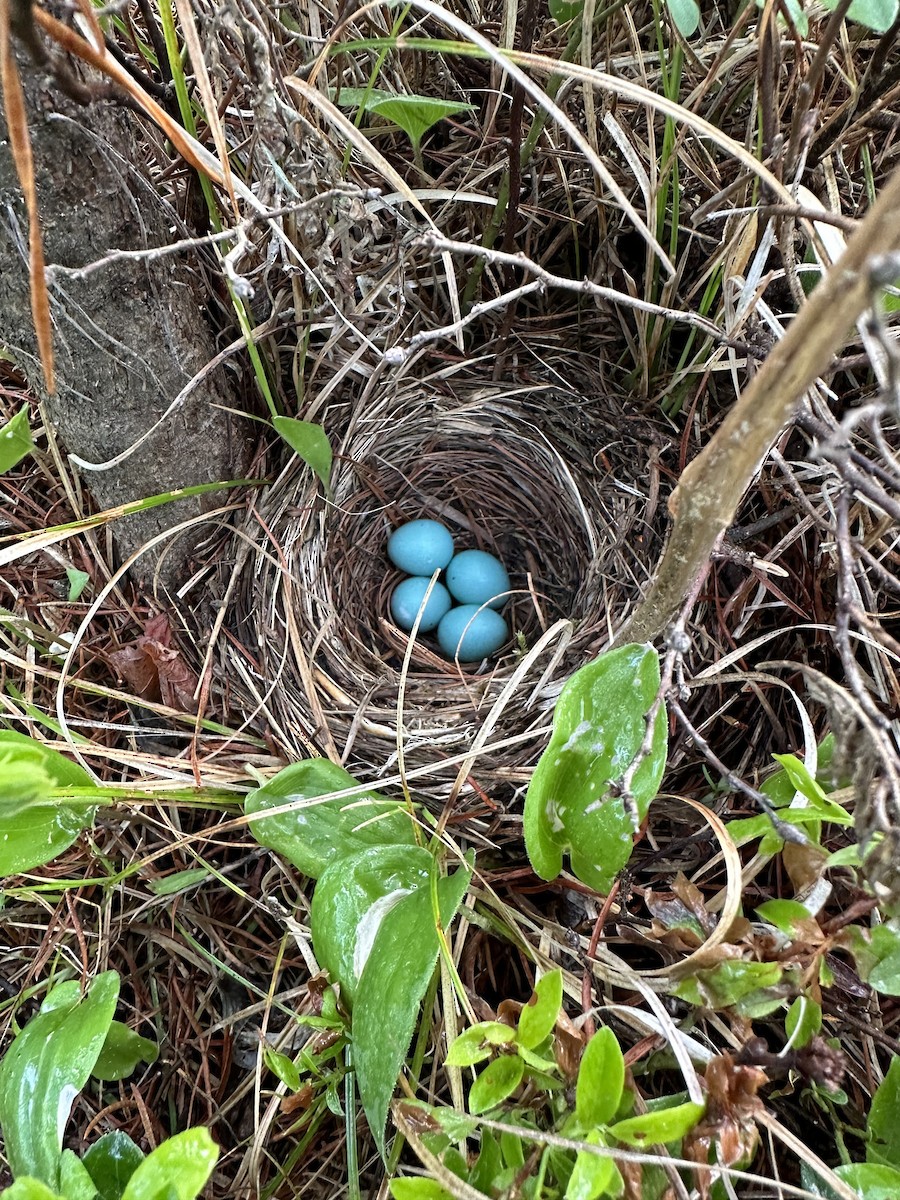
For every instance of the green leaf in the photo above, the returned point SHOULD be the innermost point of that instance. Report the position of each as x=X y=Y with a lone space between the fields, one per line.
x=564 y=11
x=884 y=1119
x=821 y=804
x=121 y=1053
x=313 y=836
x=872 y=1181
x=496 y=1082
x=111 y=1162
x=418 y=1189
x=283 y=1068
x=598 y=728
x=390 y=991
x=178 y=881
x=785 y=915
x=176 y=1170
x=477 y=1043
x=414 y=114
x=803 y=1021
x=878 y=958
x=662 y=1126
x=26 y=1188
x=601 y=1080
x=878 y=15
x=593 y=1175
x=686 y=15
x=488 y=1165
x=351 y=901
x=725 y=984
x=310 y=442
x=35 y=824
x=15 y=441
x=78 y=581
x=537 y=1019
x=44 y=1070
x=75 y=1182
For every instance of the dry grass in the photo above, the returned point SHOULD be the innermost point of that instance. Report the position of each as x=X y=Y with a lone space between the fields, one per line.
x=537 y=422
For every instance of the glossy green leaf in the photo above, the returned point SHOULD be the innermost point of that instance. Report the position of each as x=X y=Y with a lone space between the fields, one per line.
x=785 y=915
x=803 y=1021
x=283 y=1068
x=879 y=959
x=36 y=824
x=537 y=1019
x=310 y=442
x=884 y=1119
x=601 y=1080
x=313 y=836
x=871 y=1181
x=593 y=1175
x=478 y=1042
x=44 y=1070
x=15 y=441
x=826 y=808
x=878 y=15
x=121 y=1053
x=351 y=901
x=496 y=1083
x=27 y=1188
x=418 y=1189
x=111 y=1162
x=75 y=1182
x=662 y=1126
x=725 y=984
x=686 y=15
x=598 y=728
x=176 y=1170
x=390 y=991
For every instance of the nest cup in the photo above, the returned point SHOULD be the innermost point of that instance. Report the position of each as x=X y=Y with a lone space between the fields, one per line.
x=539 y=476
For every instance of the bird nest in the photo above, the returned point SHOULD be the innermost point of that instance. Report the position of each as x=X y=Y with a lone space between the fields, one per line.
x=551 y=481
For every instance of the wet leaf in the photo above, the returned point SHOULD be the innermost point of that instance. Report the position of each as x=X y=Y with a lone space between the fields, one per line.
x=121 y=1053
x=351 y=901
x=390 y=991
x=111 y=1162
x=313 y=836
x=598 y=728
x=283 y=1068
x=44 y=1070
x=872 y=1181
x=15 y=441
x=36 y=825
x=176 y=1170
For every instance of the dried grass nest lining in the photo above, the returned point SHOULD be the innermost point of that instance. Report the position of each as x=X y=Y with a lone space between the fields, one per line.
x=537 y=475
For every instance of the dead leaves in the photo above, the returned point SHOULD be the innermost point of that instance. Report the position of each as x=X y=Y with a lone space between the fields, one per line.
x=155 y=670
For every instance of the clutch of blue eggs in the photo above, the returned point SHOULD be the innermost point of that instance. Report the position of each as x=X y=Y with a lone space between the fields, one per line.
x=462 y=611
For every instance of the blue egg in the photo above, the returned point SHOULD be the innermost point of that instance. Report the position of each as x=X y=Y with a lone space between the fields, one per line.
x=407 y=598
x=420 y=547
x=475 y=577
x=471 y=634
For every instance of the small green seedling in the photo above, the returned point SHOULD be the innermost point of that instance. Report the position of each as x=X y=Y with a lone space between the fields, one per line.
x=415 y=115
x=72 y=1038
x=602 y=1116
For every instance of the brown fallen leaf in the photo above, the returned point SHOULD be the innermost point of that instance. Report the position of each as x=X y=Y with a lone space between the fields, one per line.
x=155 y=670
